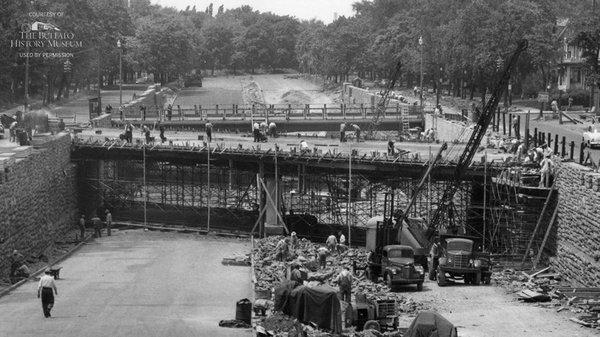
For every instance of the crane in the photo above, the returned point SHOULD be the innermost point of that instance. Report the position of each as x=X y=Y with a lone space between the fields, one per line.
x=380 y=109
x=479 y=131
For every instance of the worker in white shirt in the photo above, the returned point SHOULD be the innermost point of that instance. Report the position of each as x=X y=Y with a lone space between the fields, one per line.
x=45 y=288
x=342 y=238
x=304 y=146
x=256 y=131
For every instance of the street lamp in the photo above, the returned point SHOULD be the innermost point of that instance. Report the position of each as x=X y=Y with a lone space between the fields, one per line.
x=120 y=73
x=421 y=84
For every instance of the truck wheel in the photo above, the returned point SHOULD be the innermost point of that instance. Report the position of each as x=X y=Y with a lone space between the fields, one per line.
x=420 y=286
x=388 y=281
x=372 y=325
x=441 y=278
x=488 y=279
x=477 y=280
x=468 y=279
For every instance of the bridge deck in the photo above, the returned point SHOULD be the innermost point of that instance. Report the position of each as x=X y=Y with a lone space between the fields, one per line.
x=369 y=158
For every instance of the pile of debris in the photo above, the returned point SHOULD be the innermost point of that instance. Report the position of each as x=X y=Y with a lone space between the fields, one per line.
x=270 y=273
x=546 y=286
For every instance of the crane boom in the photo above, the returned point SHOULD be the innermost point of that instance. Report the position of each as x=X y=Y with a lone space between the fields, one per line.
x=475 y=140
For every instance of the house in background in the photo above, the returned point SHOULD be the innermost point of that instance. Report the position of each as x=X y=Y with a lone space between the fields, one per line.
x=571 y=74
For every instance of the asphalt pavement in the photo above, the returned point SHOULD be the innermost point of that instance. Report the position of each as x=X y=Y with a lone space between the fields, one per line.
x=137 y=283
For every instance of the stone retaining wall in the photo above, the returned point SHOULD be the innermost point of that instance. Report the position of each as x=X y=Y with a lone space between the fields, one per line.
x=578 y=236
x=37 y=200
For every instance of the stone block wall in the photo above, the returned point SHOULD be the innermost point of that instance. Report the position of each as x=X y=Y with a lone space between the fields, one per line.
x=448 y=131
x=37 y=200
x=578 y=233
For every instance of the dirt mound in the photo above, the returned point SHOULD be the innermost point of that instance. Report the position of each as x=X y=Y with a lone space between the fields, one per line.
x=252 y=94
x=295 y=97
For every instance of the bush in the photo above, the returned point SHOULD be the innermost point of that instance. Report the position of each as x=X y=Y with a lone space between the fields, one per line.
x=580 y=97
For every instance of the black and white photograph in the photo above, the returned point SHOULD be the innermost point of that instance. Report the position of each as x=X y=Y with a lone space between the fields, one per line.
x=300 y=168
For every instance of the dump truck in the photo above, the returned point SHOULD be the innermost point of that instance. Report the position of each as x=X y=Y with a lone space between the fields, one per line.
x=456 y=257
x=397 y=267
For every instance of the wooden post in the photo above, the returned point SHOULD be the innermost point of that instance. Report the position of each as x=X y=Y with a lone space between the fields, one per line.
x=217 y=109
x=503 y=122
x=306 y=110
x=363 y=111
x=342 y=110
x=549 y=140
x=498 y=120
x=200 y=111
x=494 y=122
x=572 y=150
x=556 y=144
x=509 y=125
x=581 y=152
x=195 y=110
x=518 y=135
x=564 y=145
x=535 y=137
x=324 y=111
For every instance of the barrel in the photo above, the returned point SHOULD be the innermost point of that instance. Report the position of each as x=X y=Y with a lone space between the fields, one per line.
x=243 y=311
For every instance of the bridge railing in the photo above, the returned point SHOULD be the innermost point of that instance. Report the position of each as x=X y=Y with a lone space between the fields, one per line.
x=272 y=111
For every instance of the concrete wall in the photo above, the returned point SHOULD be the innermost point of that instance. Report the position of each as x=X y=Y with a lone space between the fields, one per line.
x=448 y=131
x=37 y=200
x=578 y=235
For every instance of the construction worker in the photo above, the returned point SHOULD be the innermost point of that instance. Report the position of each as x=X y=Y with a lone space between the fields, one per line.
x=264 y=127
x=545 y=171
x=293 y=240
x=356 y=132
x=13 y=131
x=304 y=147
x=273 y=129
x=331 y=243
x=322 y=253
x=256 y=131
x=208 y=128
x=108 y=222
x=391 y=150
x=296 y=275
x=61 y=125
x=344 y=281
x=342 y=132
x=342 y=238
x=97 y=226
x=161 y=128
x=18 y=268
x=282 y=250
x=515 y=125
x=129 y=132
x=45 y=288
x=82 y=227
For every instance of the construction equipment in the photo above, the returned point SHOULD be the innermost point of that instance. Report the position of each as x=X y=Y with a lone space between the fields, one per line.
x=386 y=236
x=479 y=131
x=385 y=97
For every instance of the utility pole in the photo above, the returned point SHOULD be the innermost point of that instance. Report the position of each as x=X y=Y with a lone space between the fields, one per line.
x=349 y=197
x=208 y=184
x=120 y=73
x=99 y=83
x=145 y=187
x=421 y=83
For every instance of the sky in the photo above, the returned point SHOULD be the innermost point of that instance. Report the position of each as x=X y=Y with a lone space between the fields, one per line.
x=302 y=9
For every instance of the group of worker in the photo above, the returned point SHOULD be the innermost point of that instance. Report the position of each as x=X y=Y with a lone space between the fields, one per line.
x=261 y=130
x=352 y=127
x=97 y=224
x=285 y=249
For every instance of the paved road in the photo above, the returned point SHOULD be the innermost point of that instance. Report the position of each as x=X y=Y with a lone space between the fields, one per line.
x=137 y=283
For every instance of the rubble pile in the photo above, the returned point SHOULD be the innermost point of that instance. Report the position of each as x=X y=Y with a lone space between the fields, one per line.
x=546 y=286
x=269 y=272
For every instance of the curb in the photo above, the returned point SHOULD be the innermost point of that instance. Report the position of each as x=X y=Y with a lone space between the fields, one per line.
x=41 y=270
x=181 y=229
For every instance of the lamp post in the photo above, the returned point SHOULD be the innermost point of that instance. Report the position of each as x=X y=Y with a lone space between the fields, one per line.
x=120 y=73
x=421 y=83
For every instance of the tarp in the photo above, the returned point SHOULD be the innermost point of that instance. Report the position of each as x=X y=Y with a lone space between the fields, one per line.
x=430 y=324
x=319 y=305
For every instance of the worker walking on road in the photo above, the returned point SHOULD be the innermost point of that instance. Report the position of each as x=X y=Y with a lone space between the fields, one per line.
x=208 y=128
x=82 y=227
x=344 y=281
x=108 y=222
x=45 y=288
x=97 y=226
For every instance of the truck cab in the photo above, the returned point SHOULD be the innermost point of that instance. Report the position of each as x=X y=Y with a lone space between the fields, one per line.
x=396 y=264
x=457 y=257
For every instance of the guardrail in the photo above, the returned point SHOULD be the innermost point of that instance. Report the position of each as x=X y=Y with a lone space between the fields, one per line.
x=272 y=111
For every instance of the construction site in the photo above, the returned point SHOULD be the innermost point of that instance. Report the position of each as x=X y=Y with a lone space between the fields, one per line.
x=285 y=205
